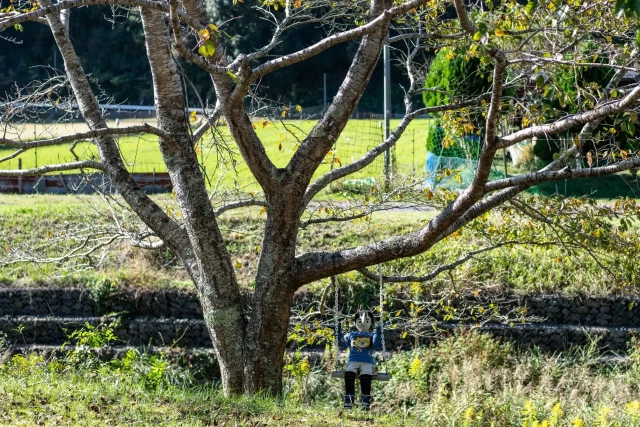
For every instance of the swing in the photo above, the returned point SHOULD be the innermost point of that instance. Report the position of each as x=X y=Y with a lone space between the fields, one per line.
x=377 y=376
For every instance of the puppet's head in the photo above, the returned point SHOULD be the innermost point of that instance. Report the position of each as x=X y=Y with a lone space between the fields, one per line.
x=363 y=320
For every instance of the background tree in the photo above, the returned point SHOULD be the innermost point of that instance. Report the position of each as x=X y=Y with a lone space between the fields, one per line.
x=249 y=334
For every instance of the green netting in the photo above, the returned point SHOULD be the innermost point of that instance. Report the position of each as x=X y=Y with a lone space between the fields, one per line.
x=452 y=162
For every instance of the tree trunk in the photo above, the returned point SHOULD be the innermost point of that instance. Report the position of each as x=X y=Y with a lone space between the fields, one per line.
x=266 y=339
x=213 y=272
x=271 y=305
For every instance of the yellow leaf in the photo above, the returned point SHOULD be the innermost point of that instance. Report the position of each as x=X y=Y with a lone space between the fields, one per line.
x=624 y=154
x=204 y=34
x=213 y=27
x=238 y=265
x=499 y=32
x=299 y=108
x=404 y=334
x=284 y=113
x=263 y=210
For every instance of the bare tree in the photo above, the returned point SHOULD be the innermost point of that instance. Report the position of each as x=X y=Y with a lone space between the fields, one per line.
x=517 y=43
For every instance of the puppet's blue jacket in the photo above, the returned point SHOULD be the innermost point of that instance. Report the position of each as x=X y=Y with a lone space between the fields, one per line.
x=361 y=345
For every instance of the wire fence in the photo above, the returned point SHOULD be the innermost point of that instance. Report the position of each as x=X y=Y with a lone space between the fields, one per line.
x=363 y=132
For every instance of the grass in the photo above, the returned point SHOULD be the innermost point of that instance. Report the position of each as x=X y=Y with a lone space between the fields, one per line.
x=222 y=161
x=141 y=153
x=464 y=380
x=54 y=224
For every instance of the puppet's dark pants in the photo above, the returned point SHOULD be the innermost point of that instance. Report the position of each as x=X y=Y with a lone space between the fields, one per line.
x=350 y=389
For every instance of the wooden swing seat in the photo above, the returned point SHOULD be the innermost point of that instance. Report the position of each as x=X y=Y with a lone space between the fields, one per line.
x=378 y=376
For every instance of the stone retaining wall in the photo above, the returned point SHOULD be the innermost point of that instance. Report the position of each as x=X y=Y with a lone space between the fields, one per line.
x=554 y=309
x=161 y=318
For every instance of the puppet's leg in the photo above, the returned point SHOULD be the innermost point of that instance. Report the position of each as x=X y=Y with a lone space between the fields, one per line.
x=366 y=376
x=365 y=388
x=349 y=389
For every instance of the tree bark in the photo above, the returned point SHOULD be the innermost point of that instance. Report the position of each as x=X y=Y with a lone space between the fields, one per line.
x=215 y=278
x=271 y=303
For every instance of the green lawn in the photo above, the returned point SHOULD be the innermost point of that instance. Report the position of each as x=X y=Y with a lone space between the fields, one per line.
x=141 y=153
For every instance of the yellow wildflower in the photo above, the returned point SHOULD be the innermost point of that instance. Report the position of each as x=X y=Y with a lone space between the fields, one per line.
x=602 y=416
x=556 y=414
x=633 y=408
x=468 y=414
x=577 y=422
x=529 y=410
x=415 y=368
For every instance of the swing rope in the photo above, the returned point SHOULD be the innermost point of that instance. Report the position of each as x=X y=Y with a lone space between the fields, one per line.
x=381 y=294
x=381 y=376
x=336 y=320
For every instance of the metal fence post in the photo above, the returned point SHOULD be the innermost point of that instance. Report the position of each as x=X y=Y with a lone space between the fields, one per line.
x=387 y=113
x=19 y=177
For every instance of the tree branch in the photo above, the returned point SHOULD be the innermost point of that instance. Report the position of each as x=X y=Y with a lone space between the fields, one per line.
x=321 y=46
x=446 y=267
x=41 y=170
x=596 y=114
x=565 y=173
x=85 y=135
x=69 y=4
x=239 y=204
x=370 y=156
x=463 y=17
x=148 y=211
x=345 y=36
x=174 y=19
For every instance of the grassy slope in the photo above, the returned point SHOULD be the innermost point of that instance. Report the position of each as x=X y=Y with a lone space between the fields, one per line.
x=27 y=221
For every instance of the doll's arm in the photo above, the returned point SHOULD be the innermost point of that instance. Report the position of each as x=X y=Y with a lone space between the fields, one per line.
x=377 y=338
x=343 y=340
